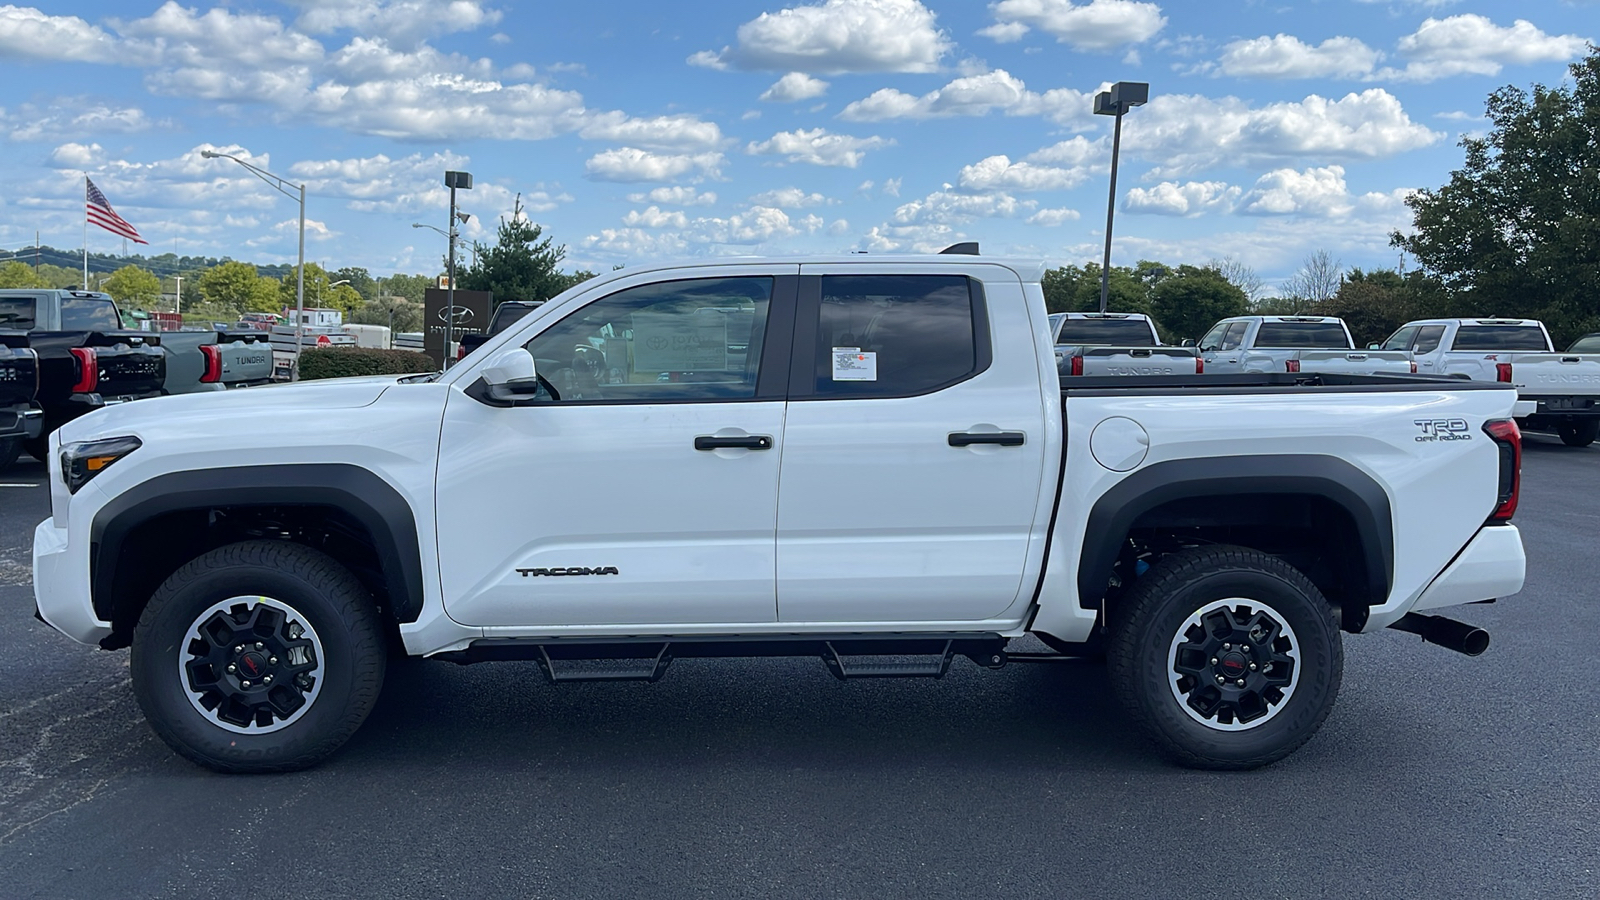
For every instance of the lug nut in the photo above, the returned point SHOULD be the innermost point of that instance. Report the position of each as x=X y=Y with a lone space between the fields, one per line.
x=1221 y=680
x=232 y=668
x=1241 y=682
x=1252 y=667
x=239 y=649
x=1213 y=660
x=1227 y=646
x=259 y=645
x=267 y=679
x=273 y=660
x=245 y=683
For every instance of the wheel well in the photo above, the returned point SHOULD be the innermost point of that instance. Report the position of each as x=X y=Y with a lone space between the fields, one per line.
x=149 y=554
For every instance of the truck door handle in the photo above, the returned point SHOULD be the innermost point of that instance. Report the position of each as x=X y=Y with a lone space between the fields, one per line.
x=743 y=442
x=1003 y=438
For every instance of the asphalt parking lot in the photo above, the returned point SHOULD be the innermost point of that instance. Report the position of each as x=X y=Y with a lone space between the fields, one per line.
x=1436 y=776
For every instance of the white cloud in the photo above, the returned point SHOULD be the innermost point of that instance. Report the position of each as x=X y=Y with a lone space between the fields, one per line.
x=1050 y=218
x=973 y=95
x=1075 y=151
x=839 y=226
x=1472 y=45
x=1004 y=32
x=817 y=147
x=1188 y=199
x=28 y=34
x=1318 y=191
x=411 y=185
x=634 y=242
x=1285 y=56
x=71 y=117
x=653 y=217
x=679 y=132
x=757 y=225
x=795 y=86
x=404 y=21
x=76 y=156
x=1000 y=173
x=924 y=238
x=629 y=164
x=946 y=207
x=1099 y=25
x=1182 y=133
x=891 y=186
x=678 y=195
x=790 y=198
x=835 y=37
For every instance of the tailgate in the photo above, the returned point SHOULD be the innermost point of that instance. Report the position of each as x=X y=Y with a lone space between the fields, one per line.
x=128 y=370
x=246 y=362
x=19 y=371
x=1356 y=362
x=1573 y=375
x=1138 y=361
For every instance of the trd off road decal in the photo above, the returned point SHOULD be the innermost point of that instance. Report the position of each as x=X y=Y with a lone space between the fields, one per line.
x=1442 y=430
x=570 y=570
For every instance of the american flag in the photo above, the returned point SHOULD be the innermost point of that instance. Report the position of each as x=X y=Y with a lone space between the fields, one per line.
x=100 y=213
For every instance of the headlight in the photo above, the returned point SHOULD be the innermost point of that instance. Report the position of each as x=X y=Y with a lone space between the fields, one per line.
x=86 y=459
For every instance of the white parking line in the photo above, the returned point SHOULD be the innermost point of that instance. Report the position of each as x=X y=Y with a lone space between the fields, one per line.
x=18 y=485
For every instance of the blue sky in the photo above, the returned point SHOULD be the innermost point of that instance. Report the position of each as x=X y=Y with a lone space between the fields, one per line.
x=637 y=131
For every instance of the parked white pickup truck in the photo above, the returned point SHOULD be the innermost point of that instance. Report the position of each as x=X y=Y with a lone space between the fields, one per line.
x=1293 y=344
x=1115 y=344
x=1566 y=386
x=859 y=459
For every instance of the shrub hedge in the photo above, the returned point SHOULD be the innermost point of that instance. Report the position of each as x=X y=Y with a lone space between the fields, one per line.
x=341 y=362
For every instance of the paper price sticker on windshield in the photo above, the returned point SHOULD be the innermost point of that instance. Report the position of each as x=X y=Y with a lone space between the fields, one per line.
x=854 y=364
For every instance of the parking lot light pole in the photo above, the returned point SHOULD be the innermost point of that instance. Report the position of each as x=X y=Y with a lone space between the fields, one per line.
x=452 y=180
x=1123 y=96
x=282 y=186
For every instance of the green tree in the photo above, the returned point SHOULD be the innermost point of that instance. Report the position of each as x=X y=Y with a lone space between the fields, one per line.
x=240 y=287
x=411 y=287
x=319 y=291
x=14 y=274
x=1191 y=299
x=133 y=287
x=1517 y=226
x=360 y=279
x=1077 y=288
x=522 y=264
x=398 y=313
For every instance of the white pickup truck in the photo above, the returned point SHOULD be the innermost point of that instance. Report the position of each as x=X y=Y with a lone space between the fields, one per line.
x=1565 y=386
x=872 y=461
x=1293 y=344
x=1116 y=344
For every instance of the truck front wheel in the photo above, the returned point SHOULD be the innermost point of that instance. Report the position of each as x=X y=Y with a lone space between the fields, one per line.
x=1580 y=433
x=1227 y=657
x=262 y=656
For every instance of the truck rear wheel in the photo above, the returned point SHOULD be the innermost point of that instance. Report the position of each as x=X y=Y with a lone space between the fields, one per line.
x=1227 y=657
x=1579 y=434
x=262 y=656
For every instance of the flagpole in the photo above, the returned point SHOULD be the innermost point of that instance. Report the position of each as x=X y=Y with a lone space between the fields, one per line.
x=86 y=231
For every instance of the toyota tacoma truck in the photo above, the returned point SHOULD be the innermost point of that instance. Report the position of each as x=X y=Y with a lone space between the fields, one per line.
x=20 y=419
x=86 y=360
x=1116 y=344
x=1565 y=387
x=870 y=461
x=1294 y=344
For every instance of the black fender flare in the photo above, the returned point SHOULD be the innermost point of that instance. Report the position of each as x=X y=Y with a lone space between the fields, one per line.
x=356 y=491
x=1329 y=477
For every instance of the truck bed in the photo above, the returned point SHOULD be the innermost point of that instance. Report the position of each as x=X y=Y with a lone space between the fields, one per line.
x=1264 y=382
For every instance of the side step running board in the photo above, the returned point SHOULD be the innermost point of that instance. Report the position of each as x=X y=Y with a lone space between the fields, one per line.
x=844 y=671
x=647 y=669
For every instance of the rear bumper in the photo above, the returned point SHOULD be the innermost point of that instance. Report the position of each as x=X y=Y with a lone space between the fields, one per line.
x=1493 y=565
x=25 y=422
x=1562 y=404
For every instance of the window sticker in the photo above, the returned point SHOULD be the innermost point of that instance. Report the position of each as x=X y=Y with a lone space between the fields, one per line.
x=854 y=364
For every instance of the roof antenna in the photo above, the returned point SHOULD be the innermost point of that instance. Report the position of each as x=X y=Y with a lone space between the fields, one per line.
x=965 y=248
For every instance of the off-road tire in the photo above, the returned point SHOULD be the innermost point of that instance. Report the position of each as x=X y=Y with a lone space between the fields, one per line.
x=1142 y=652
x=1579 y=434
x=341 y=614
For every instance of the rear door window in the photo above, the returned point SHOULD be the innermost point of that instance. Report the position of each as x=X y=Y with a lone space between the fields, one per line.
x=1234 y=336
x=89 y=314
x=17 y=313
x=1428 y=338
x=894 y=335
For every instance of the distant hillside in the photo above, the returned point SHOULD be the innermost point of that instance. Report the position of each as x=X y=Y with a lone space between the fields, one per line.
x=166 y=264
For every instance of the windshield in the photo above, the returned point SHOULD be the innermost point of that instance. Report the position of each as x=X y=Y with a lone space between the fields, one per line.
x=1500 y=337
x=1113 y=332
x=1303 y=335
x=1589 y=343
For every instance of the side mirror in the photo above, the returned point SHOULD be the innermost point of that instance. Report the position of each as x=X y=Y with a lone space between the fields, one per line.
x=1375 y=345
x=511 y=374
x=1186 y=342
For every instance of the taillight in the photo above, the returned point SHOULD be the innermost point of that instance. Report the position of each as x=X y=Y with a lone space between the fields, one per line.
x=1508 y=438
x=1077 y=366
x=88 y=370
x=1291 y=365
x=213 y=372
x=1199 y=366
x=1502 y=372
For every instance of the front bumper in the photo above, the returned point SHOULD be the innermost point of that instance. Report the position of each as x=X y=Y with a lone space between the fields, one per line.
x=61 y=586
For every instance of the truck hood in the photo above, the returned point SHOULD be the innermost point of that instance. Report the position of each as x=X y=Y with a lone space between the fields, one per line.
x=310 y=396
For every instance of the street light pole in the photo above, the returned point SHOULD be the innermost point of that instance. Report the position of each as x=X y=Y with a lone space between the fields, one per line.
x=1123 y=96
x=282 y=186
x=452 y=180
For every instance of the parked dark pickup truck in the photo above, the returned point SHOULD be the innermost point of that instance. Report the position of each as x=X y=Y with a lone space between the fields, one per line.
x=20 y=418
x=85 y=359
x=505 y=314
x=199 y=361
